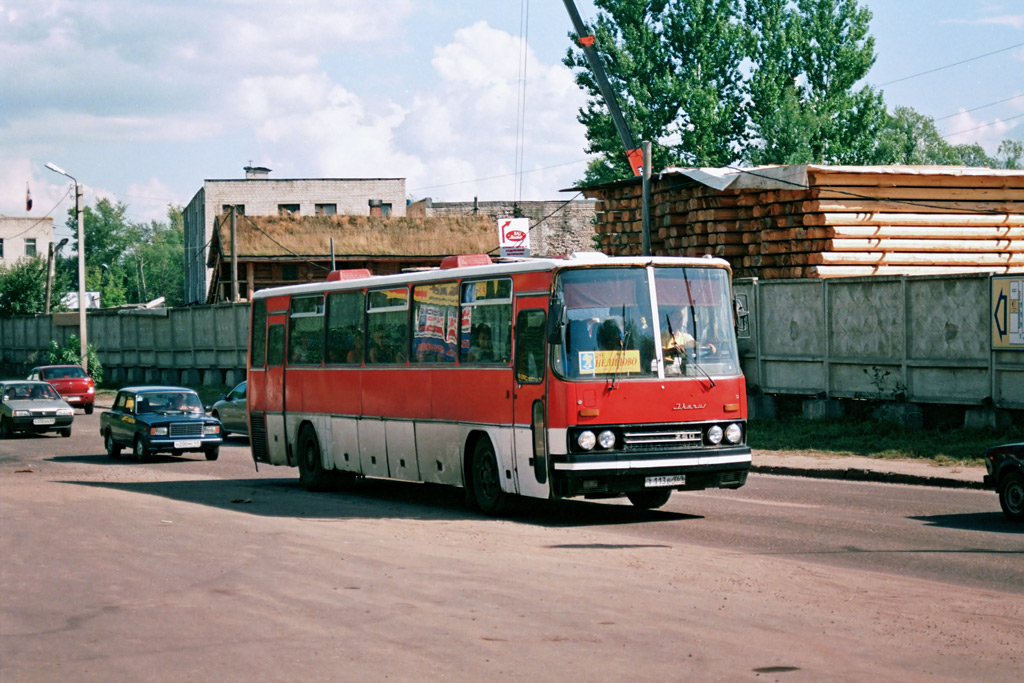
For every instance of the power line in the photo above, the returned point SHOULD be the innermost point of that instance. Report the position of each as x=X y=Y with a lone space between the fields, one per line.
x=984 y=125
x=495 y=177
x=983 y=106
x=950 y=66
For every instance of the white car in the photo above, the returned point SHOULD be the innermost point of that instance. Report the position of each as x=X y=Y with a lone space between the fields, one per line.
x=33 y=407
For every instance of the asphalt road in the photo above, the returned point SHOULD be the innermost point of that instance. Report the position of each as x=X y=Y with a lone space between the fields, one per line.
x=183 y=569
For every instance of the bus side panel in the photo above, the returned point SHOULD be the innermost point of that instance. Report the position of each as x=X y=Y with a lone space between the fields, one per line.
x=400 y=436
x=275 y=439
x=345 y=444
x=439 y=449
x=373 y=454
x=472 y=395
x=398 y=392
x=335 y=391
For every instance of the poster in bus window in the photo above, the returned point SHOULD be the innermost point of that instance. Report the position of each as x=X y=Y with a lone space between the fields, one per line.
x=430 y=341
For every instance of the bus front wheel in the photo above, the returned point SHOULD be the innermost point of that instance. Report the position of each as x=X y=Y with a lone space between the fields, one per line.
x=312 y=474
x=649 y=500
x=486 y=484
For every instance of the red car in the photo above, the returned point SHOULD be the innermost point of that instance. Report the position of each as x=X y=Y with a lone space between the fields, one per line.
x=71 y=382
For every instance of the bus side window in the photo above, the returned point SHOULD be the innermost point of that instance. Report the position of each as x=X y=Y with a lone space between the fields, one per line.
x=275 y=345
x=530 y=344
x=258 y=343
x=344 y=328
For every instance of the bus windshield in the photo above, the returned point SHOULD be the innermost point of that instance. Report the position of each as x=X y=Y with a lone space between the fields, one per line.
x=653 y=322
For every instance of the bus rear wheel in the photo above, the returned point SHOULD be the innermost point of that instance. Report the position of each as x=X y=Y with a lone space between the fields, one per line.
x=486 y=483
x=649 y=500
x=312 y=474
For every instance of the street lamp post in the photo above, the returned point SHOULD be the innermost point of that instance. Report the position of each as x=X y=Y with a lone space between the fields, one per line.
x=81 y=265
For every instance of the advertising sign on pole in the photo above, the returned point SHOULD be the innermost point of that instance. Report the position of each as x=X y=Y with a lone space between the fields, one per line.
x=514 y=236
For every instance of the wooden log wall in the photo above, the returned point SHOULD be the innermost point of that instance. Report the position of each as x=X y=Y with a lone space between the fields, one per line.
x=844 y=224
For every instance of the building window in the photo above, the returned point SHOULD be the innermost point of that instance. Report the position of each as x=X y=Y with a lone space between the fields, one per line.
x=287 y=209
x=289 y=272
x=380 y=208
x=30 y=246
x=326 y=209
x=1 y=247
x=239 y=209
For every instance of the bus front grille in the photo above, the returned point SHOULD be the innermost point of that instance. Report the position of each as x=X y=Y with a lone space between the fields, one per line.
x=662 y=438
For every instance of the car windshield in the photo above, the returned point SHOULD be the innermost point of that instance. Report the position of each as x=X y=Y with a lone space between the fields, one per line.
x=30 y=392
x=169 y=401
x=62 y=373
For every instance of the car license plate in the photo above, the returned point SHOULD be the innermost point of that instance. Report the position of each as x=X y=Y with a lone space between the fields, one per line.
x=673 y=480
x=44 y=421
x=186 y=444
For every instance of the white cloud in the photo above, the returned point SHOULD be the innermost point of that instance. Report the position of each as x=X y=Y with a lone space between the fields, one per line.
x=966 y=129
x=1012 y=20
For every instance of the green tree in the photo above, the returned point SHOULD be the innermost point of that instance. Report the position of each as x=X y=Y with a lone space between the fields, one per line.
x=1010 y=153
x=807 y=58
x=23 y=287
x=675 y=65
x=157 y=266
x=911 y=138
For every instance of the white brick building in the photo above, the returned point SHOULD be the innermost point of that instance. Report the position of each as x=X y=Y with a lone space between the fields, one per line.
x=24 y=237
x=259 y=195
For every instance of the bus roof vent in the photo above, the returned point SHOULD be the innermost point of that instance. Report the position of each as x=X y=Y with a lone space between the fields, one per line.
x=463 y=260
x=587 y=256
x=347 y=274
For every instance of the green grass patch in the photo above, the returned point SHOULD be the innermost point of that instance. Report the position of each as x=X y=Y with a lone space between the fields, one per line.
x=877 y=439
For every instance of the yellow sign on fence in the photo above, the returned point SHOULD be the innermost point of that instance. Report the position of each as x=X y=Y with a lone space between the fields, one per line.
x=1007 y=312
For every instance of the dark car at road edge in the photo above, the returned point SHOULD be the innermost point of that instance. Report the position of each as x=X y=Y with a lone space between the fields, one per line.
x=1005 y=465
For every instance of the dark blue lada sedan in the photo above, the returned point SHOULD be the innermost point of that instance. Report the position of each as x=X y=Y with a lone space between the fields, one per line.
x=160 y=419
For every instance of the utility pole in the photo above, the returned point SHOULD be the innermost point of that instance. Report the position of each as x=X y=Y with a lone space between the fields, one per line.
x=234 y=258
x=51 y=255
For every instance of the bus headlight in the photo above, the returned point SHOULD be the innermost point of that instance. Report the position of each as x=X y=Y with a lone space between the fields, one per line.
x=606 y=439
x=715 y=435
x=586 y=440
x=733 y=433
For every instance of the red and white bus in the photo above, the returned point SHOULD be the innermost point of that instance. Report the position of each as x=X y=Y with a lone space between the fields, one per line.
x=588 y=376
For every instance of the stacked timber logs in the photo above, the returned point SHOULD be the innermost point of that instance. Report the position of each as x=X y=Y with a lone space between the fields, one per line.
x=847 y=221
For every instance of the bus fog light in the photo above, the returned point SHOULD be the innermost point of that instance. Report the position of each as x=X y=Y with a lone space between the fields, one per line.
x=715 y=435
x=606 y=439
x=733 y=433
x=586 y=440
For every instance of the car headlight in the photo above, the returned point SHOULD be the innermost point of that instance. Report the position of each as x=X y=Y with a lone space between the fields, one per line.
x=733 y=433
x=586 y=440
x=20 y=413
x=211 y=430
x=715 y=435
x=65 y=412
x=606 y=439
x=158 y=431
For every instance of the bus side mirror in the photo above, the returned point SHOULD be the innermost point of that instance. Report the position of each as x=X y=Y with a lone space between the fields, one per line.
x=741 y=315
x=556 y=315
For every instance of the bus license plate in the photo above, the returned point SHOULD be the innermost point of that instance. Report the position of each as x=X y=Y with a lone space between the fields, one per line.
x=44 y=421
x=674 y=480
x=186 y=444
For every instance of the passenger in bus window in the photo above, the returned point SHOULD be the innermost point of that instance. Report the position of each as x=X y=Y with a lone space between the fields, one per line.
x=677 y=336
x=610 y=336
x=481 y=349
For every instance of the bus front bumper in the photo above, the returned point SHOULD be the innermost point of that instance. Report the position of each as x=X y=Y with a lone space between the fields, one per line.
x=603 y=475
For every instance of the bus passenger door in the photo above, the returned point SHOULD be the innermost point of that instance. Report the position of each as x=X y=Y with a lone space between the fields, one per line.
x=529 y=411
x=273 y=390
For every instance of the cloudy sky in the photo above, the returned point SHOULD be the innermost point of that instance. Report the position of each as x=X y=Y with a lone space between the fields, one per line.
x=142 y=100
